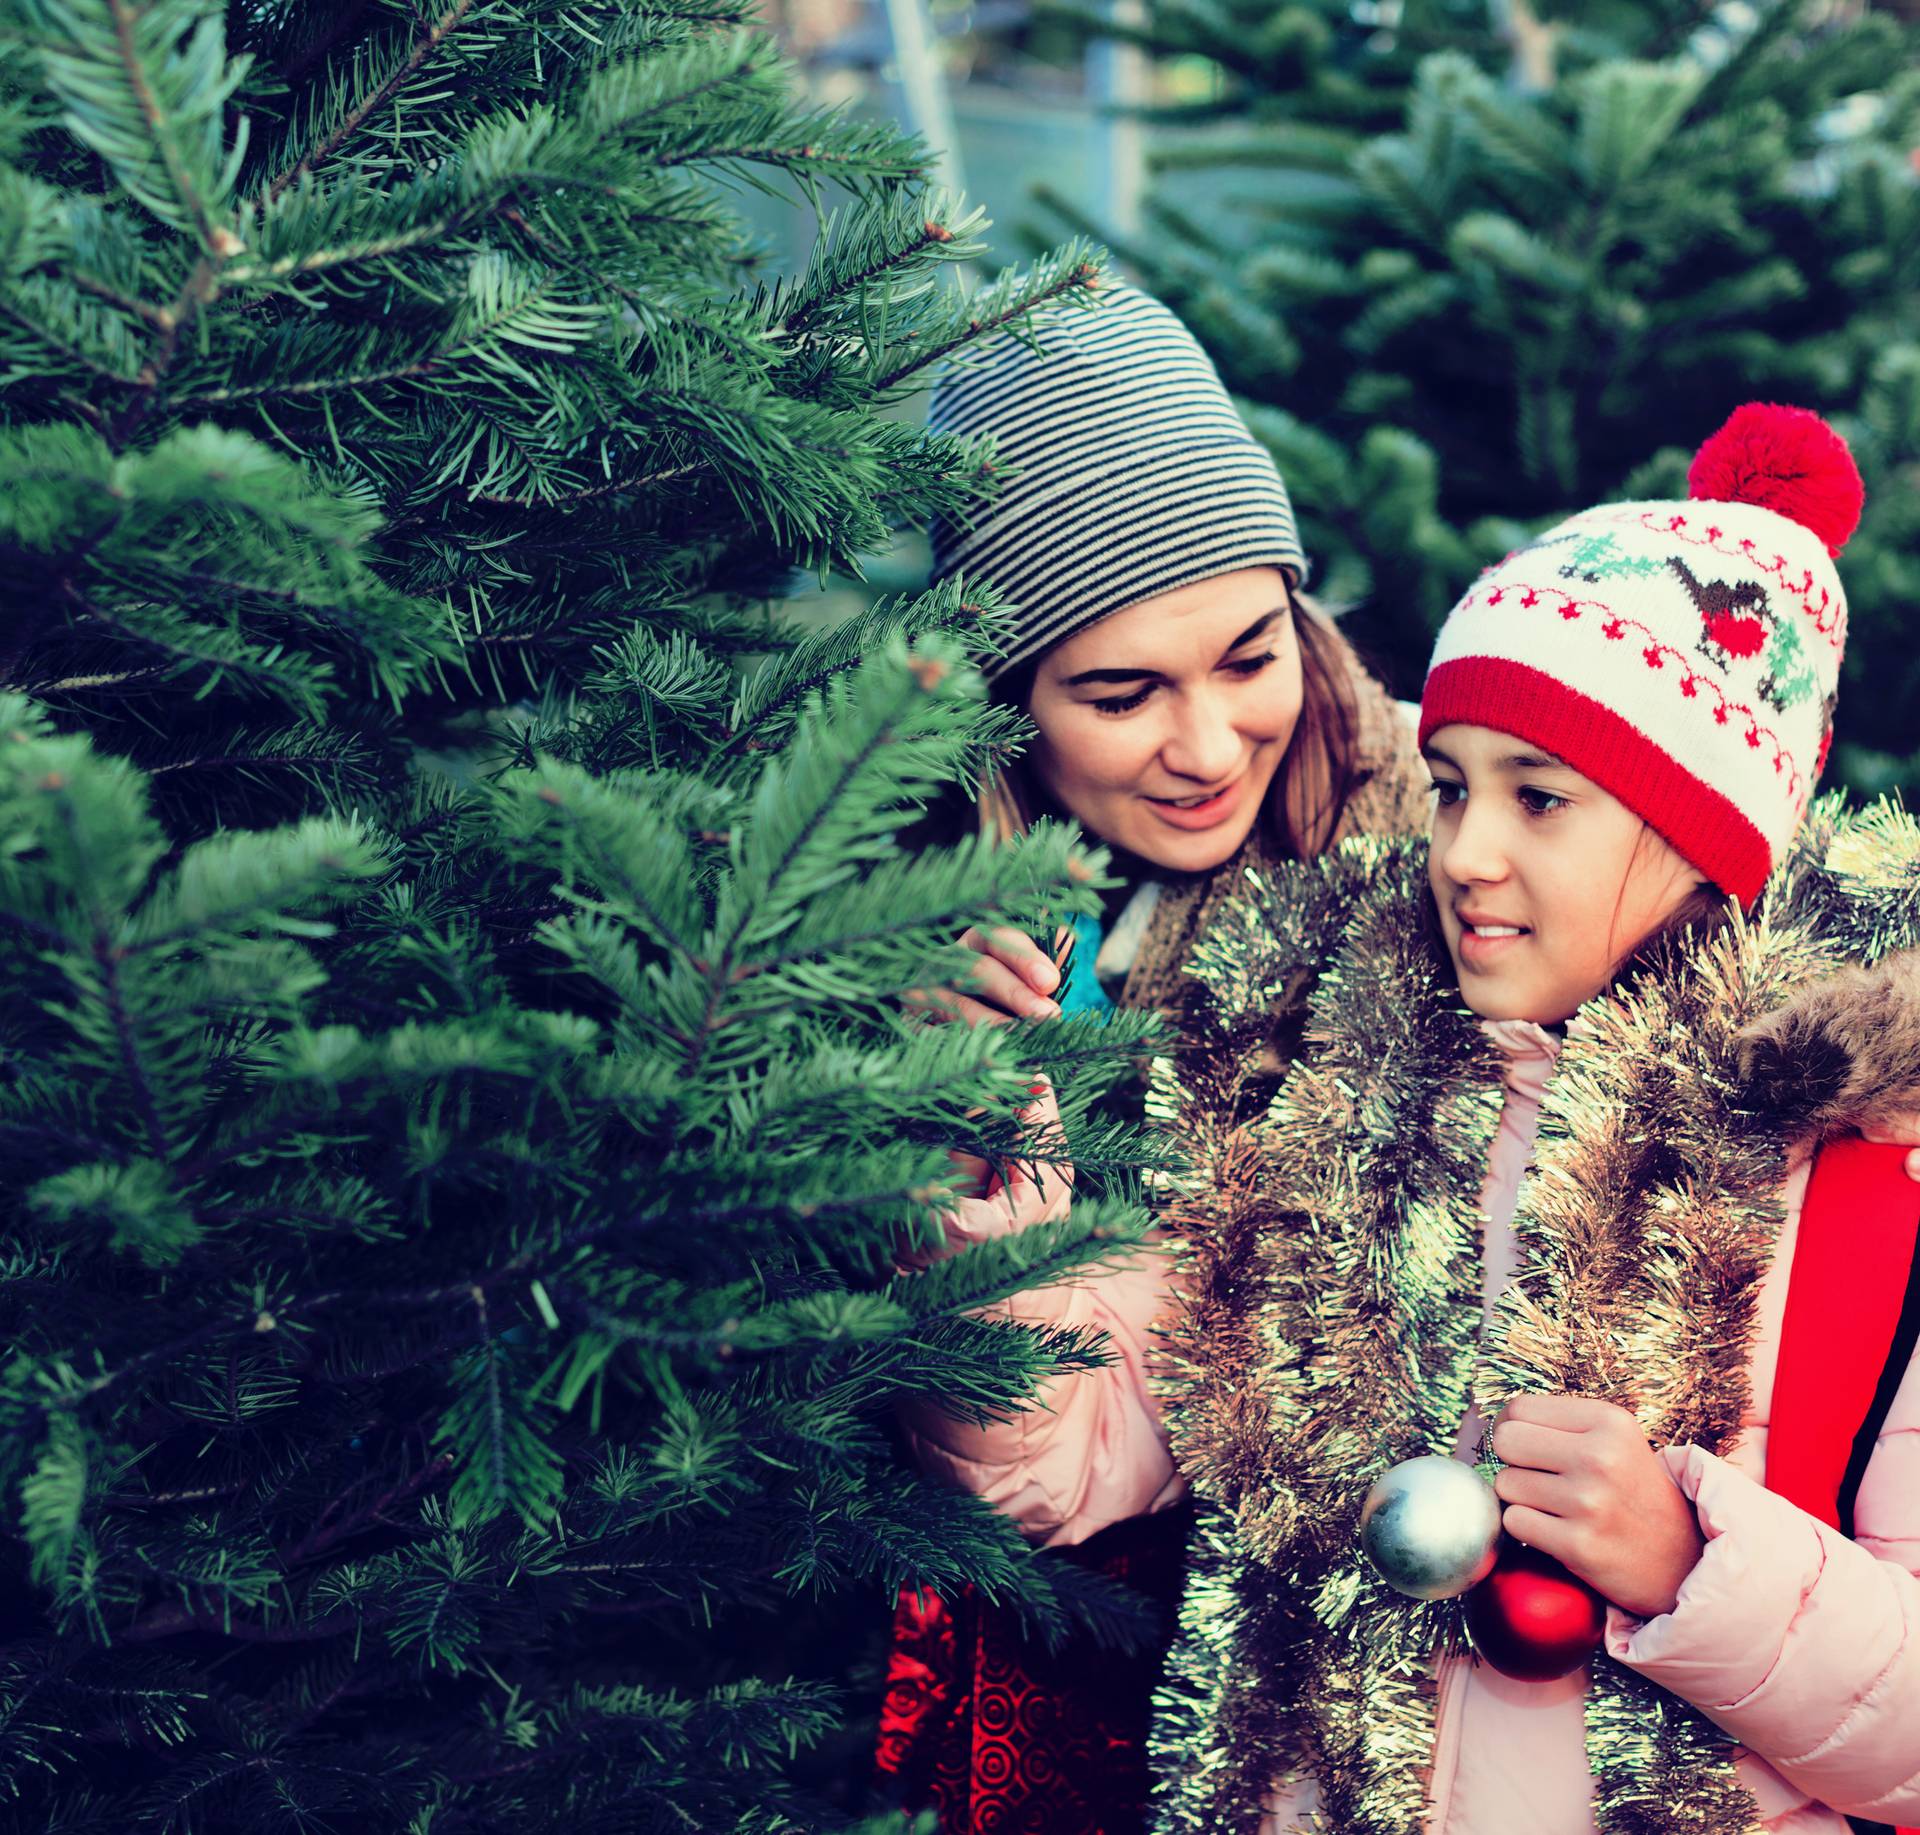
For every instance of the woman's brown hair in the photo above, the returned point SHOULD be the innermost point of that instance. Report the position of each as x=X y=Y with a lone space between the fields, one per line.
x=1318 y=773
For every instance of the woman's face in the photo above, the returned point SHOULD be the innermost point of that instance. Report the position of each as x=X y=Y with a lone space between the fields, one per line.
x=1544 y=881
x=1160 y=727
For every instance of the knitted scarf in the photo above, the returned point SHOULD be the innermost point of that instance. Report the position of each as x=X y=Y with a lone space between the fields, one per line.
x=1333 y=1325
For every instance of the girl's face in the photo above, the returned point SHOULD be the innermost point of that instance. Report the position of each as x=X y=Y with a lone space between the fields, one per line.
x=1160 y=727
x=1544 y=881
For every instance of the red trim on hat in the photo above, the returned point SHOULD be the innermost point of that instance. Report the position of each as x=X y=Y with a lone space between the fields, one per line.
x=1708 y=829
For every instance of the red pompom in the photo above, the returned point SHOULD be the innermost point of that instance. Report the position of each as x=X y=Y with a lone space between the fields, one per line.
x=1783 y=459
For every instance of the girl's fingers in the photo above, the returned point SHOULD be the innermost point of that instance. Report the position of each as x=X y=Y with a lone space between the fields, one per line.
x=1574 y=1413
x=1527 y=1443
x=1518 y=1484
x=1536 y=1529
x=1026 y=960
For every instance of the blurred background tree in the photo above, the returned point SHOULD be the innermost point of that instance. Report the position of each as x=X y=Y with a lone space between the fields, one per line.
x=457 y=1112
x=1475 y=266
x=1475 y=263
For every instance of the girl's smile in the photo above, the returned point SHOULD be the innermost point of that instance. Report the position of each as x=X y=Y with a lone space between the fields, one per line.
x=1484 y=938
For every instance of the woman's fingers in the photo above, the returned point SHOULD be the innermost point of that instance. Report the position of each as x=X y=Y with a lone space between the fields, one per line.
x=943 y=1004
x=951 y=1004
x=1019 y=953
x=994 y=984
x=1008 y=981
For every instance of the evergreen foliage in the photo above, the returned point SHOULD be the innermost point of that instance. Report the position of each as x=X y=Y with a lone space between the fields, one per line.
x=1475 y=269
x=457 y=1113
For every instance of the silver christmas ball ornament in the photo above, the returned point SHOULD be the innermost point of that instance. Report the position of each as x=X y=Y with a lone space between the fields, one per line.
x=1431 y=1526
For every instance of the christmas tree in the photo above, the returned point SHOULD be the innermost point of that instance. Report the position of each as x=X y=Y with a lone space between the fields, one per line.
x=458 y=1117
x=1476 y=267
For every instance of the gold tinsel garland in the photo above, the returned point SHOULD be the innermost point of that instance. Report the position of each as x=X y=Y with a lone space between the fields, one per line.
x=1333 y=1321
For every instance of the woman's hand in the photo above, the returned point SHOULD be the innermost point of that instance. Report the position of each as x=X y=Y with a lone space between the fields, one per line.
x=985 y=1205
x=1581 y=1484
x=1013 y=979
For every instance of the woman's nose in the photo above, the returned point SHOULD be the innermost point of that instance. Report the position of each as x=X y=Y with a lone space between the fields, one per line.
x=1203 y=745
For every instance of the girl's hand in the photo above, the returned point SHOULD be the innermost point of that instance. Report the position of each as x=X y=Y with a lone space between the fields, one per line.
x=1012 y=979
x=1897 y=1129
x=1581 y=1484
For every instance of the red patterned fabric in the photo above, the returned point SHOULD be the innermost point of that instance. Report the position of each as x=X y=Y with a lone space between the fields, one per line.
x=1003 y=1739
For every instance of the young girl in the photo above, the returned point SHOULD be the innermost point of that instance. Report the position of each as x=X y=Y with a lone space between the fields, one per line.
x=1534 y=1185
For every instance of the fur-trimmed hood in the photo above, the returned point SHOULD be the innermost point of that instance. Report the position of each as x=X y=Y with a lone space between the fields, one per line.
x=1842 y=1054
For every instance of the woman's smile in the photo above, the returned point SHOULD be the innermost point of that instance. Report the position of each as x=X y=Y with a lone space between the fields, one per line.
x=1199 y=811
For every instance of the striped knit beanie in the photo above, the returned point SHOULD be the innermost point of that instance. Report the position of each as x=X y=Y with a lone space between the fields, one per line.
x=1134 y=473
x=1685 y=656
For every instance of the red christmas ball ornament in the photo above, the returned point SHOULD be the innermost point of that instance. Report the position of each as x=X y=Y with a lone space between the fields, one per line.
x=1787 y=460
x=1531 y=1619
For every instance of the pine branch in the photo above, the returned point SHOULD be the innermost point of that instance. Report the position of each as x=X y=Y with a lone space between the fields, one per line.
x=100 y=289
x=376 y=1192
x=612 y=488
x=200 y=289
x=318 y=385
x=771 y=700
x=177 y=1619
x=369 y=105
x=933 y=235
x=336 y=1524
x=71 y=352
x=215 y=239
x=991 y=316
x=107 y=957
x=762 y=154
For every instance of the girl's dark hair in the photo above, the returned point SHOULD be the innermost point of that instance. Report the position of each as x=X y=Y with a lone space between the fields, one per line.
x=1702 y=912
x=1318 y=774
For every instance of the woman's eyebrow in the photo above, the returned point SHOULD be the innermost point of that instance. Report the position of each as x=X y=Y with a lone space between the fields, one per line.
x=1086 y=677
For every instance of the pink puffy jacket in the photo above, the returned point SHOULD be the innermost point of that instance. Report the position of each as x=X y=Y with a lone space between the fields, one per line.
x=1802 y=1645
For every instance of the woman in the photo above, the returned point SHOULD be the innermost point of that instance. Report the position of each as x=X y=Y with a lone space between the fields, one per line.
x=1198 y=716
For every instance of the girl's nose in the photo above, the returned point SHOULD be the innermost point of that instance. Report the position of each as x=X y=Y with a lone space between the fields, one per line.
x=1472 y=854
